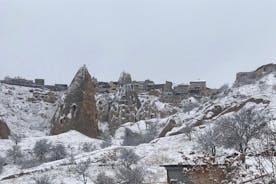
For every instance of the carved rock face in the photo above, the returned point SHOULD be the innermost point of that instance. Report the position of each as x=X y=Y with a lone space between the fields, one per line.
x=77 y=111
x=4 y=130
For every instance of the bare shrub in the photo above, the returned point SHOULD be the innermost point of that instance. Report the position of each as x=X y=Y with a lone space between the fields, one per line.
x=82 y=170
x=58 y=152
x=102 y=178
x=16 y=138
x=88 y=147
x=241 y=128
x=45 y=179
x=208 y=141
x=2 y=162
x=15 y=153
x=188 y=130
x=129 y=157
x=41 y=149
x=28 y=163
x=126 y=175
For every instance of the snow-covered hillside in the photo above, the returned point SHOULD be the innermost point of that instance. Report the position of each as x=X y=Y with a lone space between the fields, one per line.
x=27 y=111
x=31 y=119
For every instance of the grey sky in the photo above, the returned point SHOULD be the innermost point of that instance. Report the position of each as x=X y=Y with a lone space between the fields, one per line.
x=176 y=40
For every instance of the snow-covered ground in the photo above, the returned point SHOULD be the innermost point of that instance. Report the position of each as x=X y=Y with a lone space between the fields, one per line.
x=32 y=121
x=24 y=115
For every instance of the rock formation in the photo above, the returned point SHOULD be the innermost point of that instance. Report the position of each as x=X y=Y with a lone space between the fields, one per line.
x=77 y=111
x=4 y=130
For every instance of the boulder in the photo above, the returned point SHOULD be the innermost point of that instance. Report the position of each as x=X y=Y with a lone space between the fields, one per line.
x=4 y=130
x=169 y=126
x=77 y=110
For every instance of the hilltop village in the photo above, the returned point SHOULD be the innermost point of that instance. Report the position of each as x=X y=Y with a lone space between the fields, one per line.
x=167 y=91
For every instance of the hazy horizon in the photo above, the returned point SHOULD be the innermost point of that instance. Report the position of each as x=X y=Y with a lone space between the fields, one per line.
x=161 y=40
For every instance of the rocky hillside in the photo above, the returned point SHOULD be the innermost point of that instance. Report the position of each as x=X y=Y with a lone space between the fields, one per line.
x=156 y=133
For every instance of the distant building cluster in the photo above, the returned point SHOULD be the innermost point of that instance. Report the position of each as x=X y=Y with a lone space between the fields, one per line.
x=166 y=90
x=37 y=83
x=195 y=88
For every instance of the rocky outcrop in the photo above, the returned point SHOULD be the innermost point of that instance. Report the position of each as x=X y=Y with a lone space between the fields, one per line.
x=124 y=107
x=4 y=130
x=77 y=110
x=169 y=126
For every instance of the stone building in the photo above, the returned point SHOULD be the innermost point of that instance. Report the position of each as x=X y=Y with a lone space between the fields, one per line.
x=138 y=86
x=18 y=81
x=167 y=89
x=182 y=89
x=103 y=87
x=148 y=85
x=195 y=174
x=40 y=82
x=250 y=77
x=113 y=87
x=197 y=87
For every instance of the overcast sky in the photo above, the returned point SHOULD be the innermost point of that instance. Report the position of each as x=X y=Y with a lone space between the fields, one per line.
x=175 y=40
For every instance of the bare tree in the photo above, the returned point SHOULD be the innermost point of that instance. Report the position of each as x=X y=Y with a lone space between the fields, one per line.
x=126 y=175
x=88 y=147
x=16 y=138
x=2 y=162
x=58 y=152
x=129 y=157
x=102 y=178
x=14 y=153
x=27 y=163
x=41 y=149
x=45 y=179
x=188 y=130
x=82 y=170
x=241 y=128
x=208 y=141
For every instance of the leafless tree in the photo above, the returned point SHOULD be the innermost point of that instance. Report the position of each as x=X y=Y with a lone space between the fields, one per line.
x=45 y=179
x=41 y=149
x=129 y=157
x=209 y=141
x=102 y=178
x=126 y=175
x=88 y=147
x=58 y=152
x=238 y=130
x=2 y=162
x=15 y=153
x=16 y=138
x=27 y=163
x=188 y=130
x=82 y=170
